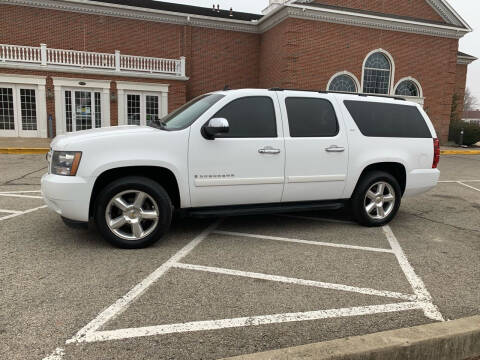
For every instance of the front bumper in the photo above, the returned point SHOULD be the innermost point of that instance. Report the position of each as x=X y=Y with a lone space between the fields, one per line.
x=420 y=181
x=68 y=196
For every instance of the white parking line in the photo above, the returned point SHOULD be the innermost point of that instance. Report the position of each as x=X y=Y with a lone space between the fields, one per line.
x=288 y=280
x=20 y=191
x=10 y=211
x=22 y=212
x=469 y=186
x=456 y=181
x=430 y=310
x=20 y=196
x=318 y=243
x=246 y=321
x=122 y=304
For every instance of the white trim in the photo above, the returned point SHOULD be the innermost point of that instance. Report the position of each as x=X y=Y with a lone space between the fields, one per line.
x=74 y=82
x=87 y=71
x=448 y=13
x=61 y=84
x=268 y=21
x=23 y=79
x=136 y=86
x=418 y=99
x=38 y=83
x=357 y=83
x=392 y=70
x=465 y=60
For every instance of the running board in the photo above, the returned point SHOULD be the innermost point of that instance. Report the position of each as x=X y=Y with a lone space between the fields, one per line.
x=257 y=209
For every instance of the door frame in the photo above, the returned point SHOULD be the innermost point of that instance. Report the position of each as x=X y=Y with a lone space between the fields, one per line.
x=36 y=83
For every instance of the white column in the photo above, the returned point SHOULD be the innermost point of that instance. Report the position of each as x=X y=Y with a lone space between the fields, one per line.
x=43 y=54
x=117 y=60
x=42 y=116
x=105 y=103
x=121 y=107
x=59 y=111
x=164 y=107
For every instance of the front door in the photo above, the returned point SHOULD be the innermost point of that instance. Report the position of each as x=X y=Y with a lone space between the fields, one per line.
x=18 y=111
x=316 y=147
x=142 y=108
x=245 y=165
x=83 y=110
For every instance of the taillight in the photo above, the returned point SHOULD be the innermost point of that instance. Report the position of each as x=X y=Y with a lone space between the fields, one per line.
x=436 y=153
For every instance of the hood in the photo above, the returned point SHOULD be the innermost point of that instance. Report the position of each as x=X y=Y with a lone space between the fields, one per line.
x=62 y=142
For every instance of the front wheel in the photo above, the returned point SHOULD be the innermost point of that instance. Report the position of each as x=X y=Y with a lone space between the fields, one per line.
x=133 y=212
x=376 y=199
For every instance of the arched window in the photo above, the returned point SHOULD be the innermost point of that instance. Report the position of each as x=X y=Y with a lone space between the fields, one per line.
x=377 y=73
x=407 y=88
x=344 y=82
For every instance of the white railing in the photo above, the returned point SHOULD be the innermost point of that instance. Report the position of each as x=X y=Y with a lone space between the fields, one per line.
x=90 y=60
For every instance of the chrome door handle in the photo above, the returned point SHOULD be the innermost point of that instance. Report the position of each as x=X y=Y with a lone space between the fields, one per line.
x=335 y=148
x=269 y=150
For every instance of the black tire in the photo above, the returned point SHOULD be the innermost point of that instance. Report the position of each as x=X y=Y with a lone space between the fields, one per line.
x=134 y=183
x=358 y=200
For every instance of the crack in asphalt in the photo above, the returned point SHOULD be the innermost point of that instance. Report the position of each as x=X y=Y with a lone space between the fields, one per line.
x=441 y=222
x=10 y=182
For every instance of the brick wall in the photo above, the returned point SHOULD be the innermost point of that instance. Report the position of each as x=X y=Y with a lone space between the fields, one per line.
x=312 y=52
x=411 y=8
x=295 y=53
x=460 y=84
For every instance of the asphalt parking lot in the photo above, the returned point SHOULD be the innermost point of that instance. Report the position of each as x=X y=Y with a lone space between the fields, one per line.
x=215 y=288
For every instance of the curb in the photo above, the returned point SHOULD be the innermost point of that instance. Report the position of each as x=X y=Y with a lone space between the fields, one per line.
x=452 y=340
x=24 y=151
x=460 y=152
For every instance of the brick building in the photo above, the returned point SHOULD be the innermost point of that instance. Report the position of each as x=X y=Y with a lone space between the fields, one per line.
x=69 y=65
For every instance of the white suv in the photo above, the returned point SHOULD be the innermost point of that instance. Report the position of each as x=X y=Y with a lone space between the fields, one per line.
x=242 y=152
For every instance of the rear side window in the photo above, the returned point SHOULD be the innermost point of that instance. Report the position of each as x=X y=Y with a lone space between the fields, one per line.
x=310 y=117
x=249 y=117
x=388 y=120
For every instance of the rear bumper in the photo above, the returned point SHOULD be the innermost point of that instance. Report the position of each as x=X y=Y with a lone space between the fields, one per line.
x=68 y=196
x=420 y=181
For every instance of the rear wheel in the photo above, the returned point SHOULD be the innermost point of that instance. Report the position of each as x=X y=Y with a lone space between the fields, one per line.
x=133 y=212
x=376 y=199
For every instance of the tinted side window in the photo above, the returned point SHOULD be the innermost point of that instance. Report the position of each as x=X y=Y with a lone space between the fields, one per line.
x=250 y=117
x=388 y=120
x=309 y=117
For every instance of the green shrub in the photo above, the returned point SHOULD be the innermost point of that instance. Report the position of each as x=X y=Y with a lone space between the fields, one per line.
x=471 y=132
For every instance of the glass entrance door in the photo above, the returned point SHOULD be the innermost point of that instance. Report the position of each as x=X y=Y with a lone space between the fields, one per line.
x=142 y=108
x=83 y=110
x=18 y=111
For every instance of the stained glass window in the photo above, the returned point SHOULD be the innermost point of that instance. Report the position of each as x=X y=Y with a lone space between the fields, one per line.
x=377 y=74
x=407 y=88
x=344 y=83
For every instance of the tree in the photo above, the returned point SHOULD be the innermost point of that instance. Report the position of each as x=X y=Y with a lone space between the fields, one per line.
x=470 y=102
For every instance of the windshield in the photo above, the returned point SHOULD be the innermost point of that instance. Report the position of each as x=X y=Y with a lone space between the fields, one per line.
x=185 y=115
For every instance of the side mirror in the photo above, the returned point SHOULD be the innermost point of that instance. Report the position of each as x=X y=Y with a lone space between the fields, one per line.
x=214 y=127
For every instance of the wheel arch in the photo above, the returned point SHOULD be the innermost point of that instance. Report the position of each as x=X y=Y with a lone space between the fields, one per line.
x=161 y=175
x=396 y=169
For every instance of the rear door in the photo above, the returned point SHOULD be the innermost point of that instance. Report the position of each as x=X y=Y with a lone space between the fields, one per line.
x=246 y=165
x=316 y=147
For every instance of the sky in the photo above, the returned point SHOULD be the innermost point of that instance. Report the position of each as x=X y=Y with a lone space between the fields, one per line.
x=468 y=9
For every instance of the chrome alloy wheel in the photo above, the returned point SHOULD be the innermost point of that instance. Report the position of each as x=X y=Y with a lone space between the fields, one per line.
x=380 y=200
x=132 y=215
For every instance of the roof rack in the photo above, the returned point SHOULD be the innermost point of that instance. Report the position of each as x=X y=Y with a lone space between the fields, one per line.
x=340 y=92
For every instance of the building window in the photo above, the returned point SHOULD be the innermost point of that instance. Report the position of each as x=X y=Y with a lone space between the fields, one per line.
x=7 y=117
x=343 y=82
x=82 y=110
x=407 y=88
x=18 y=110
x=142 y=108
x=377 y=74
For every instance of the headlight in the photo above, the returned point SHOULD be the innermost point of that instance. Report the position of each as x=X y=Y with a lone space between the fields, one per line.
x=65 y=162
